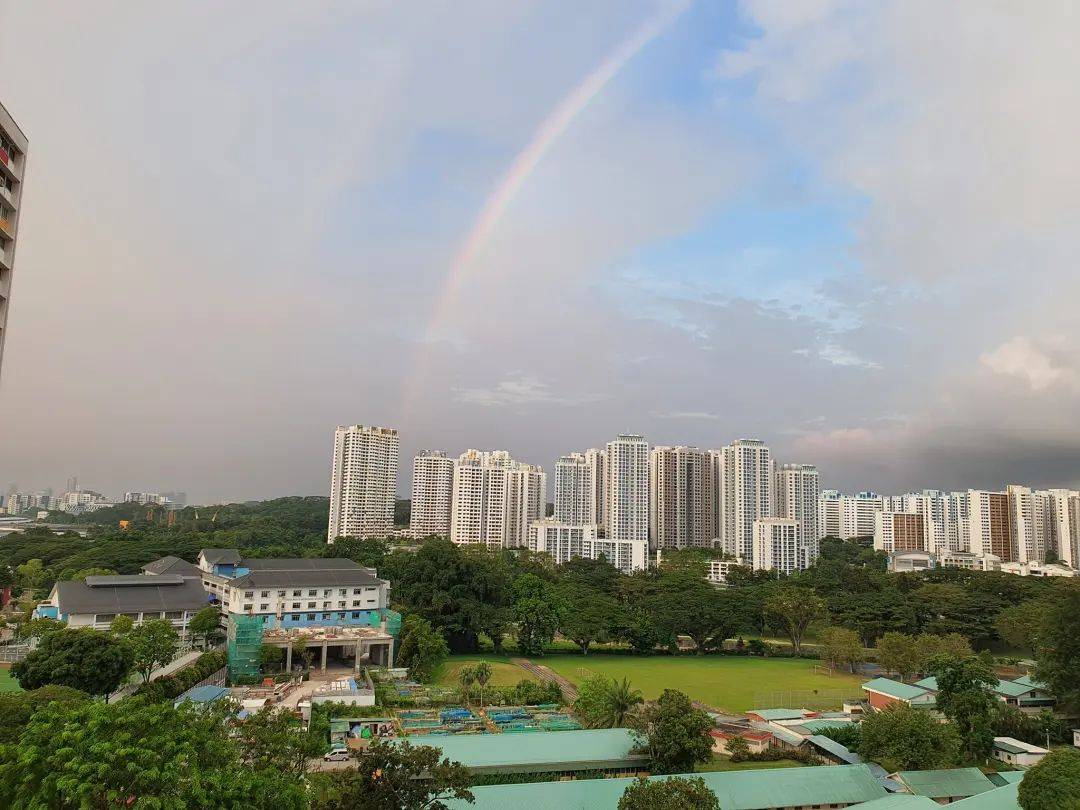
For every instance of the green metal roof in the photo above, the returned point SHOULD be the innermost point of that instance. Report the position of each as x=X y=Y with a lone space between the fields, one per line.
x=1002 y=798
x=942 y=784
x=542 y=750
x=736 y=790
x=928 y=683
x=1012 y=688
x=778 y=714
x=898 y=689
x=900 y=801
x=1027 y=680
x=1000 y=778
x=818 y=725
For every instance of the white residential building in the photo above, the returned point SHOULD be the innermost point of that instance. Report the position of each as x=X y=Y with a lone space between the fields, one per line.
x=1026 y=522
x=746 y=493
x=495 y=499
x=848 y=516
x=681 y=499
x=363 y=482
x=432 y=494
x=779 y=546
x=989 y=524
x=565 y=541
x=899 y=532
x=628 y=489
x=575 y=490
x=1063 y=525
x=596 y=459
x=13 y=146
x=798 y=490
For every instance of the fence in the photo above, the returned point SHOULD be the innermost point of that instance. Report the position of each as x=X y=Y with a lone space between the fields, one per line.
x=13 y=653
x=806 y=698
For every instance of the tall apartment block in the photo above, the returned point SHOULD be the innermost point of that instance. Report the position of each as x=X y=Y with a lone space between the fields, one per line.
x=798 y=489
x=848 y=516
x=1063 y=525
x=747 y=483
x=682 y=504
x=432 y=494
x=778 y=545
x=990 y=524
x=363 y=482
x=596 y=459
x=899 y=531
x=575 y=491
x=13 y=146
x=628 y=489
x=495 y=499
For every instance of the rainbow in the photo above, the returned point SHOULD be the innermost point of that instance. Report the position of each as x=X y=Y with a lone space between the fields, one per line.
x=523 y=166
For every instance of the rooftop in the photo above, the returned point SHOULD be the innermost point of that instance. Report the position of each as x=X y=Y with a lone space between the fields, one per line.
x=542 y=751
x=323 y=633
x=898 y=690
x=779 y=714
x=286 y=577
x=171 y=565
x=900 y=801
x=1015 y=746
x=941 y=784
x=130 y=594
x=1003 y=798
x=203 y=694
x=736 y=790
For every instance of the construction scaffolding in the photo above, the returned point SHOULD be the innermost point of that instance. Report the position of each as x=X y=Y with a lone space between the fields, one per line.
x=244 y=646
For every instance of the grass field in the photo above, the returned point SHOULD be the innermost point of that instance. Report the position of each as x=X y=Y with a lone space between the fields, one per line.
x=503 y=673
x=7 y=683
x=729 y=683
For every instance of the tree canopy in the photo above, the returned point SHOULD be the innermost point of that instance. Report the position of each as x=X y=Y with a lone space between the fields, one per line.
x=87 y=660
x=676 y=793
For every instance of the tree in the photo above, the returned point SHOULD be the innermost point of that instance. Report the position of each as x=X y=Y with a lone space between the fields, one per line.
x=794 y=608
x=841 y=648
x=206 y=624
x=536 y=612
x=1053 y=784
x=270 y=658
x=588 y=616
x=482 y=674
x=685 y=603
x=467 y=677
x=929 y=648
x=422 y=648
x=847 y=734
x=121 y=625
x=1019 y=625
x=964 y=697
x=738 y=748
x=16 y=708
x=31 y=575
x=673 y=733
x=394 y=777
x=135 y=754
x=273 y=740
x=1057 y=663
x=901 y=738
x=676 y=793
x=606 y=702
x=92 y=662
x=898 y=652
x=153 y=644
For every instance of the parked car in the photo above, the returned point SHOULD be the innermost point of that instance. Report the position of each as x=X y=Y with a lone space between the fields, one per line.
x=336 y=755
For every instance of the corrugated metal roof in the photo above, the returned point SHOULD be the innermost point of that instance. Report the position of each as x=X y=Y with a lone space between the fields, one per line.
x=133 y=580
x=215 y=556
x=172 y=565
x=900 y=801
x=897 y=689
x=836 y=749
x=508 y=753
x=78 y=597
x=779 y=714
x=277 y=578
x=941 y=784
x=1003 y=798
x=736 y=790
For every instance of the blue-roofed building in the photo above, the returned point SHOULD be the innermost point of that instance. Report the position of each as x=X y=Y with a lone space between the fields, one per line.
x=203 y=695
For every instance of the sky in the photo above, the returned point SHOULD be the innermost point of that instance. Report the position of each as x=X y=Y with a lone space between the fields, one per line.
x=846 y=228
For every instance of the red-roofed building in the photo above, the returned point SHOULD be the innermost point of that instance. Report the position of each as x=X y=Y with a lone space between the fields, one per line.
x=757 y=740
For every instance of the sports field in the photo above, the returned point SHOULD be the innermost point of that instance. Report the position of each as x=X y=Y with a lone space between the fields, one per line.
x=503 y=673
x=7 y=683
x=728 y=683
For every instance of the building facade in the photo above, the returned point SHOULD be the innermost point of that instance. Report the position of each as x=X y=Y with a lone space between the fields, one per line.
x=575 y=490
x=747 y=482
x=779 y=546
x=681 y=500
x=798 y=491
x=899 y=531
x=495 y=499
x=13 y=147
x=565 y=541
x=363 y=482
x=627 y=461
x=1063 y=525
x=848 y=516
x=432 y=494
x=990 y=524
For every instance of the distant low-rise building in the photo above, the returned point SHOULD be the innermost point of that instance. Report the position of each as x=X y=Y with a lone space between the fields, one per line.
x=1017 y=752
x=565 y=541
x=901 y=562
x=884 y=692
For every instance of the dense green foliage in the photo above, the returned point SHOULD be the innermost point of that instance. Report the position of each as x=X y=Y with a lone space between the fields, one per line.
x=606 y=702
x=394 y=777
x=673 y=733
x=901 y=738
x=1059 y=649
x=421 y=648
x=1053 y=784
x=172 y=686
x=676 y=793
x=16 y=708
x=87 y=660
x=965 y=697
x=153 y=644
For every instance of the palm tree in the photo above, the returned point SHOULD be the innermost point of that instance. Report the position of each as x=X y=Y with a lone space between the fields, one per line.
x=467 y=676
x=482 y=674
x=620 y=700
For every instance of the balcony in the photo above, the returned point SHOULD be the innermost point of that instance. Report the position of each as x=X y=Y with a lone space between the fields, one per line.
x=7 y=195
x=8 y=227
x=7 y=163
x=5 y=259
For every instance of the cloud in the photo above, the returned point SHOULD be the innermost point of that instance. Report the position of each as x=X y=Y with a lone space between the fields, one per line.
x=690 y=415
x=1040 y=367
x=519 y=389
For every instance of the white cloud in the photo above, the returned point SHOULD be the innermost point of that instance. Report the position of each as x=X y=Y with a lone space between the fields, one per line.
x=1041 y=366
x=519 y=389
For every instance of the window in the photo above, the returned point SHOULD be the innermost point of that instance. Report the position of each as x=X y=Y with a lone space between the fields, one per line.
x=311 y=604
x=313 y=592
x=248 y=608
x=296 y=593
x=356 y=615
x=343 y=591
x=357 y=590
x=356 y=603
x=264 y=594
x=263 y=608
x=341 y=604
x=281 y=594
x=296 y=605
x=248 y=594
x=311 y=617
x=326 y=591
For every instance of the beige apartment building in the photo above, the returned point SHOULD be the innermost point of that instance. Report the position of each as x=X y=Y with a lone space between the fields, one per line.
x=13 y=147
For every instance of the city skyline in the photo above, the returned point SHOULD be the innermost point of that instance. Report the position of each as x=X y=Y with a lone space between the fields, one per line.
x=694 y=221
